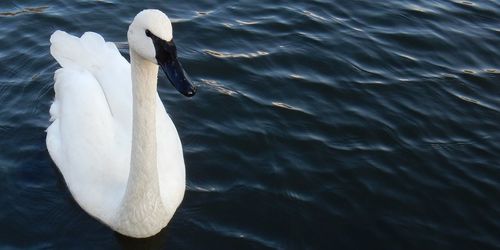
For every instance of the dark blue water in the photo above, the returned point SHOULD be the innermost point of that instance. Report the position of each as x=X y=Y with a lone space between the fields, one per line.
x=318 y=124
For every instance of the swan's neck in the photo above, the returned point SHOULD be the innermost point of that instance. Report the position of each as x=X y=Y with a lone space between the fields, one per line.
x=141 y=209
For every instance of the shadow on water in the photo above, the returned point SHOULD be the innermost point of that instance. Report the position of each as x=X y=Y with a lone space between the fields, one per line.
x=154 y=242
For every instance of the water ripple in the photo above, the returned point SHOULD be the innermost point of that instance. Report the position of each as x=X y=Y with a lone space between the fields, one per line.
x=26 y=10
x=237 y=55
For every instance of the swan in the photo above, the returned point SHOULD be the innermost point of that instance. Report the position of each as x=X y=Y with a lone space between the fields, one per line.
x=110 y=136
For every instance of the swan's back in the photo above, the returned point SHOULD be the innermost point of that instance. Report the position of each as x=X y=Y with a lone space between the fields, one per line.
x=90 y=135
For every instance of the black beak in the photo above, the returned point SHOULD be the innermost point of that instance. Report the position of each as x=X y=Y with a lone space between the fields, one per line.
x=166 y=56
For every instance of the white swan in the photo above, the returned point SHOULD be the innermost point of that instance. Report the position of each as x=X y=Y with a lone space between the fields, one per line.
x=110 y=136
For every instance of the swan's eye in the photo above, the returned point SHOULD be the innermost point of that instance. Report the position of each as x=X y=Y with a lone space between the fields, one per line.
x=148 y=33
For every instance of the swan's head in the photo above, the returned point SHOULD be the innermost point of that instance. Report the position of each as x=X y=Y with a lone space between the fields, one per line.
x=150 y=36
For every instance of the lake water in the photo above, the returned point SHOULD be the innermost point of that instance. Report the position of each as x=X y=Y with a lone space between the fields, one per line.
x=318 y=124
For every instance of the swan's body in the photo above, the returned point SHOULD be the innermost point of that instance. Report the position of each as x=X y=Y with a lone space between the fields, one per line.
x=111 y=138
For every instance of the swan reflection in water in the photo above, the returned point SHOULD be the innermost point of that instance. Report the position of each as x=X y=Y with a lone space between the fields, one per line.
x=151 y=243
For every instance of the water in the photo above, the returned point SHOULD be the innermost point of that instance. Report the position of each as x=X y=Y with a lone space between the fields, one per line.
x=318 y=124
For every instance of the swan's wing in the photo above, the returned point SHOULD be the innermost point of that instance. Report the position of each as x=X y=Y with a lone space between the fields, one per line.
x=103 y=60
x=86 y=140
x=80 y=141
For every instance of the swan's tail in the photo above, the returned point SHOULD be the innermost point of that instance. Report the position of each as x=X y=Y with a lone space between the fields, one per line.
x=88 y=51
